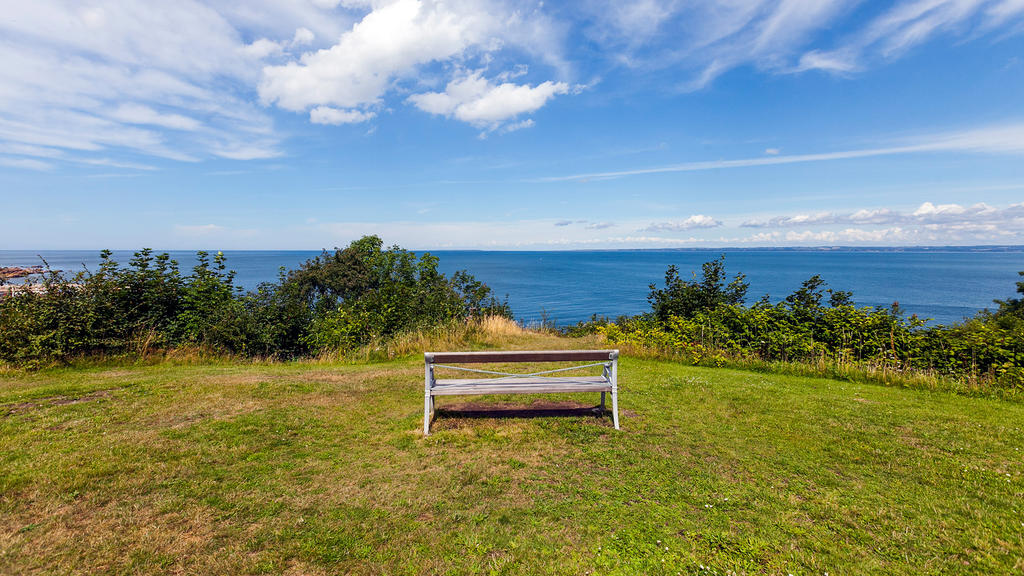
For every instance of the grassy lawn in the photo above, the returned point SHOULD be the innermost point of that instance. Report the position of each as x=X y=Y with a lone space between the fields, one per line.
x=311 y=468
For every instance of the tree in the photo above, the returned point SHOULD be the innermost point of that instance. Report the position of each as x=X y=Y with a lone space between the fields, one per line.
x=683 y=298
x=1013 y=306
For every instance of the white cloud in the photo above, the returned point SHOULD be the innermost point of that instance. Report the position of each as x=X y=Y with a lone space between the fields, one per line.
x=475 y=100
x=711 y=37
x=26 y=163
x=522 y=124
x=1007 y=138
x=166 y=80
x=585 y=224
x=179 y=80
x=928 y=210
x=303 y=37
x=907 y=25
x=390 y=41
x=198 y=229
x=328 y=115
x=396 y=40
x=504 y=234
x=693 y=222
x=139 y=114
x=796 y=220
x=848 y=235
x=928 y=224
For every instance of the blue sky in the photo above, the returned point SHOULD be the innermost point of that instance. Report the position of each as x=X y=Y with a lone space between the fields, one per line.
x=511 y=125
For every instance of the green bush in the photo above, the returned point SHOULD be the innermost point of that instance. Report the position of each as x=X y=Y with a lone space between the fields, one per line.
x=706 y=322
x=336 y=301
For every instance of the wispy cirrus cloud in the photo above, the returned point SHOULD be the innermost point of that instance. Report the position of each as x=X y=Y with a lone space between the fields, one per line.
x=130 y=78
x=906 y=25
x=710 y=38
x=584 y=224
x=1005 y=138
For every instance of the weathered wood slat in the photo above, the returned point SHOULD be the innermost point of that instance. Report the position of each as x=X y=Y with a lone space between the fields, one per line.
x=522 y=380
x=520 y=356
x=530 y=385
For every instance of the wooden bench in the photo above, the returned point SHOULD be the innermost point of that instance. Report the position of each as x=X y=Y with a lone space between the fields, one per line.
x=545 y=381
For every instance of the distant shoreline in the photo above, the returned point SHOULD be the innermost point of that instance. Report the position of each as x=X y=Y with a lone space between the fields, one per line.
x=1010 y=248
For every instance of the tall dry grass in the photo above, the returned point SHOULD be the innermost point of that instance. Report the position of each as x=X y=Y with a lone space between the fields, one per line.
x=491 y=332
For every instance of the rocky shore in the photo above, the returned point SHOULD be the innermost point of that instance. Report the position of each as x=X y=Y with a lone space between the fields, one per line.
x=9 y=272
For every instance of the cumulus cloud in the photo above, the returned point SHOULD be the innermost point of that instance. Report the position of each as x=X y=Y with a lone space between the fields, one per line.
x=693 y=222
x=475 y=100
x=394 y=41
x=390 y=41
x=926 y=214
x=927 y=224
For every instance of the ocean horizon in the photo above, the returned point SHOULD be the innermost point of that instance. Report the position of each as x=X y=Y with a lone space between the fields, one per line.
x=943 y=284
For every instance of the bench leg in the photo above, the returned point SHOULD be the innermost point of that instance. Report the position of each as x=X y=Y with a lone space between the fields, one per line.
x=602 y=402
x=428 y=399
x=427 y=405
x=615 y=392
x=615 y=408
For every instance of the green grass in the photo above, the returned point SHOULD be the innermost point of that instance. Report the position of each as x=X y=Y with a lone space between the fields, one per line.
x=314 y=468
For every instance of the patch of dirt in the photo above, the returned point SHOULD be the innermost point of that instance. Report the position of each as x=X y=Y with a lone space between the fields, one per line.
x=458 y=416
x=64 y=400
x=117 y=373
x=208 y=409
x=22 y=407
x=18 y=408
x=535 y=409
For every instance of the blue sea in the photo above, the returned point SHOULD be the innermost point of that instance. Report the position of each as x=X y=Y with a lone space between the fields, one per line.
x=944 y=285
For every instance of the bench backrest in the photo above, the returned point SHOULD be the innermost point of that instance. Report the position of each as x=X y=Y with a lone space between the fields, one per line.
x=520 y=356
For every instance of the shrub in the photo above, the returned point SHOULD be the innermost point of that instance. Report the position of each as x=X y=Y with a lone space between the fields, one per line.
x=706 y=322
x=337 y=301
